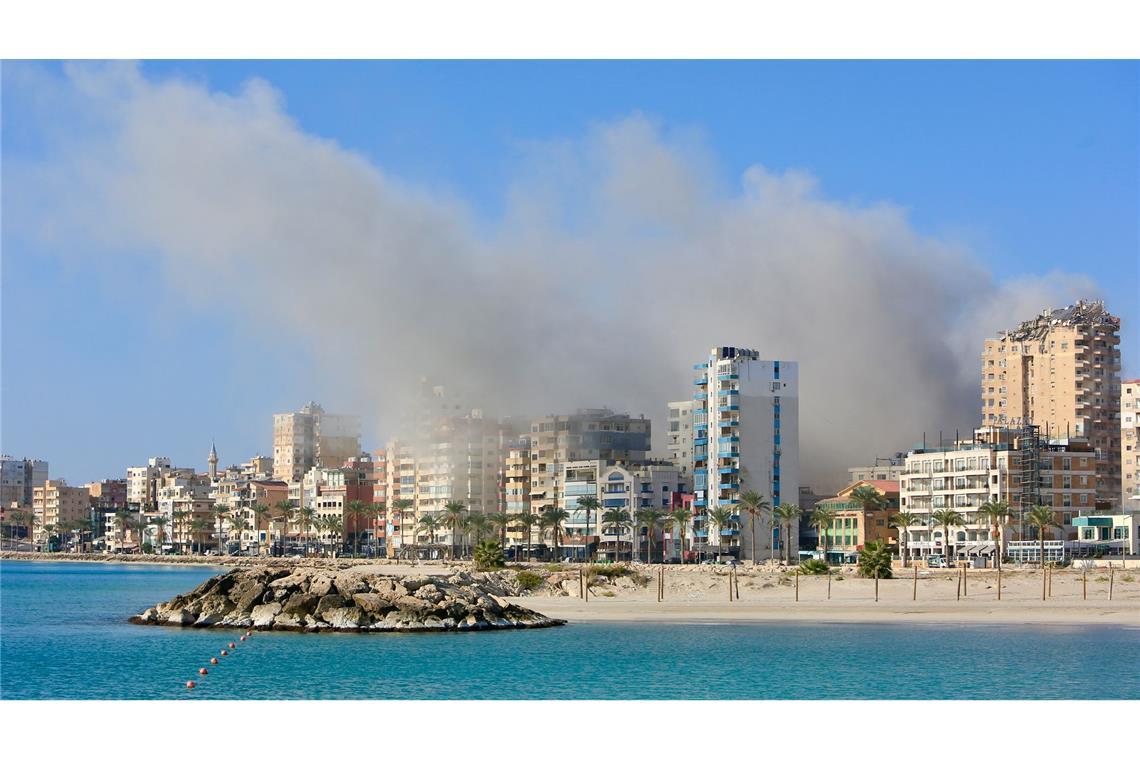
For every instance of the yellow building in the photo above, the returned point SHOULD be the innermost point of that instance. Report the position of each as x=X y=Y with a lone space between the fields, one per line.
x=55 y=503
x=1130 y=443
x=854 y=526
x=1060 y=371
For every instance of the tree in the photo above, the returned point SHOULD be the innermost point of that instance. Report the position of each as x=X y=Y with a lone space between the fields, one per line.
x=221 y=512
x=552 y=520
x=181 y=518
x=488 y=555
x=650 y=519
x=403 y=509
x=334 y=526
x=379 y=513
x=947 y=518
x=875 y=560
x=788 y=514
x=681 y=518
x=284 y=510
x=122 y=520
x=427 y=523
x=501 y=520
x=901 y=521
x=755 y=505
x=237 y=525
x=454 y=513
x=588 y=504
x=160 y=532
x=306 y=519
x=527 y=521
x=722 y=518
x=822 y=518
x=1041 y=518
x=260 y=513
x=997 y=513
x=476 y=525
x=617 y=519
x=199 y=529
x=356 y=510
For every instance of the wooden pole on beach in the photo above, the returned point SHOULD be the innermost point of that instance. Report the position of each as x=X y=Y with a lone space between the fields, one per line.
x=798 y=583
x=959 y=591
x=1044 y=576
x=736 y=583
x=914 y=590
x=1085 y=584
x=829 y=583
x=729 y=576
x=876 y=586
x=1111 y=578
x=965 y=578
x=999 y=581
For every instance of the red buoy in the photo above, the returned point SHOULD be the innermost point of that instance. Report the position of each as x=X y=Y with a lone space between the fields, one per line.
x=241 y=638
x=202 y=671
x=213 y=660
x=249 y=633
x=225 y=653
x=190 y=684
x=232 y=645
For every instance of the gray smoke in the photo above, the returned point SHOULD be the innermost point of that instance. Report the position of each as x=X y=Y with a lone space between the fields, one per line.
x=620 y=260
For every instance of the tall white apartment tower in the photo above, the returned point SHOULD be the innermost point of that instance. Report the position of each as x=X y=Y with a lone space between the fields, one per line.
x=745 y=437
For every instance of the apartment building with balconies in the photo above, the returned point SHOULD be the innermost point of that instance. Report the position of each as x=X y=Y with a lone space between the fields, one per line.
x=1060 y=371
x=1130 y=444
x=745 y=437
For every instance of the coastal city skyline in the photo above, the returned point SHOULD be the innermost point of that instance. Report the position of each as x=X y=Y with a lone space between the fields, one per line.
x=544 y=360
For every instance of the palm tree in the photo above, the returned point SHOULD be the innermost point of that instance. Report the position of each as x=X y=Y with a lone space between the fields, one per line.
x=552 y=520
x=788 y=514
x=527 y=521
x=378 y=513
x=237 y=525
x=755 y=505
x=260 y=513
x=1041 y=518
x=334 y=525
x=180 y=518
x=122 y=520
x=501 y=520
x=588 y=504
x=682 y=518
x=453 y=521
x=284 y=510
x=405 y=508
x=356 y=509
x=427 y=523
x=221 y=512
x=822 y=518
x=650 y=519
x=476 y=524
x=947 y=518
x=619 y=520
x=901 y=521
x=306 y=517
x=199 y=528
x=160 y=534
x=869 y=500
x=997 y=512
x=722 y=518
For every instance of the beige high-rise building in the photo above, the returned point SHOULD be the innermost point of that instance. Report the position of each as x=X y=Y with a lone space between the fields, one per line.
x=586 y=434
x=312 y=438
x=1061 y=372
x=680 y=440
x=1130 y=442
x=56 y=503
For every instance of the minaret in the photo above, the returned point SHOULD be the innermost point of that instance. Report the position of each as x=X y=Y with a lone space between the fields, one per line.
x=213 y=460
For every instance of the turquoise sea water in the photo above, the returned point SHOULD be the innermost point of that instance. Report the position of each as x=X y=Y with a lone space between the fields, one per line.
x=64 y=635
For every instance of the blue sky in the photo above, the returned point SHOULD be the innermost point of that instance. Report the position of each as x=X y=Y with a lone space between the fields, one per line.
x=1032 y=166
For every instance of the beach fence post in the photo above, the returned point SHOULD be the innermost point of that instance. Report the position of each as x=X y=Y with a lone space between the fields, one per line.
x=798 y=583
x=999 y=581
x=729 y=576
x=829 y=584
x=959 y=588
x=965 y=579
x=1044 y=579
x=736 y=582
x=876 y=585
x=1085 y=584
x=914 y=590
x=1111 y=578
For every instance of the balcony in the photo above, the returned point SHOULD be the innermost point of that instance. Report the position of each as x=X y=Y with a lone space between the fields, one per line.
x=701 y=366
x=700 y=396
x=731 y=392
x=729 y=486
x=700 y=502
x=729 y=423
x=729 y=376
x=729 y=408
x=701 y=381
x=725 y=439
x=729 y=470
x=700 y=457
x=700 y=441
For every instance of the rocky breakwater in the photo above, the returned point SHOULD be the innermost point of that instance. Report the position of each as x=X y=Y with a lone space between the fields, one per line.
x=315 y=600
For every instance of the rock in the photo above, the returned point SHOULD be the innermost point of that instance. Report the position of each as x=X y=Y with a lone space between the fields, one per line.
x=300 y=603
x=178 y=617
x=373 y=604
x=429 y=593
x=321 y=585
x=263 y=614
x=348 y=583
x=414 y=605
x=344 y=617
x=248 y=596
x=328 y=602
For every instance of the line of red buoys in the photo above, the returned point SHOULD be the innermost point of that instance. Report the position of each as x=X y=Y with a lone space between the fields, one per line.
x=224 y=653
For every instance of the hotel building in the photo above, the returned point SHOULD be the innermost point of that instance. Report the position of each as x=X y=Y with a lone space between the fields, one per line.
x=854 y=525
x=1060 y=371
x=55 y=503
x=745 y=437
x=312 y=438
x=1013 y=466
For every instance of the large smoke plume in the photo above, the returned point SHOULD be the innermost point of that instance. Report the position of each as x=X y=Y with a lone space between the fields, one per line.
x=619 y=260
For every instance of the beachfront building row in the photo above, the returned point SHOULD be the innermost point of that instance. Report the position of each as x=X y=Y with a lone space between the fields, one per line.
x=17 y=479
x=1130 y=443
x=745 y=438
x=1015 y=466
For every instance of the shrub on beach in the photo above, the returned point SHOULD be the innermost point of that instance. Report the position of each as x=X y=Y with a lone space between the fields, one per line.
x=875 y=560
x=814 y=567
x=489 y=556
x=527 y=580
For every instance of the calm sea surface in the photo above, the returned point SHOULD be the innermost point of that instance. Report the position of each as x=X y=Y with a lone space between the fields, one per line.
x=64 y=635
